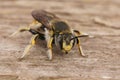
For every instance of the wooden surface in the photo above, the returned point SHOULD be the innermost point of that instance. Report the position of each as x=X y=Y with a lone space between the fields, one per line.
x=96 y=17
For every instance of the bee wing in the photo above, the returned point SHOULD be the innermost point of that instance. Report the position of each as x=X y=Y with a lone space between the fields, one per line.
x=43 y=17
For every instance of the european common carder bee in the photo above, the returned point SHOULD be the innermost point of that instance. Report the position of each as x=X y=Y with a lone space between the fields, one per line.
x=54 y=30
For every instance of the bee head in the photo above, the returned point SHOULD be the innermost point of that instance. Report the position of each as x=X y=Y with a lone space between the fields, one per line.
x=64 y=41
x=67 y=42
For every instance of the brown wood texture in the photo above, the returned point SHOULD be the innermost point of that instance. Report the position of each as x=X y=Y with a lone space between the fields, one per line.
x=99 y=18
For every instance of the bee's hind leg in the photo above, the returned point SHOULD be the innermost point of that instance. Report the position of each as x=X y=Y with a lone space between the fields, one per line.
x=20 y=30
x=32 y=43
x=27 y=28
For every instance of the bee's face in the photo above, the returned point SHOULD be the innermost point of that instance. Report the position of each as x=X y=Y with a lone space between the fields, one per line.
x=64 y=41
x=67 y=42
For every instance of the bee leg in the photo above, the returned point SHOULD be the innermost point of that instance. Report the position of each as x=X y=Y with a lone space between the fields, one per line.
x=32 y=43
x=20 y=30
x=49 y=45
x=34 y=23
x=80 y=48
x=77 y=33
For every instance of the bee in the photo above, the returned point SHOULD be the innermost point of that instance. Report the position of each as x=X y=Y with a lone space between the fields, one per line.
x=54 y=30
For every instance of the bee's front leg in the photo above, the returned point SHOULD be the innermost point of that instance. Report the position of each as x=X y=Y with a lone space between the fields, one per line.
x=77 y=33
x=49 y=45
x=20 y=30
x=80 y=48
x=49 y=40
x=32 y=43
